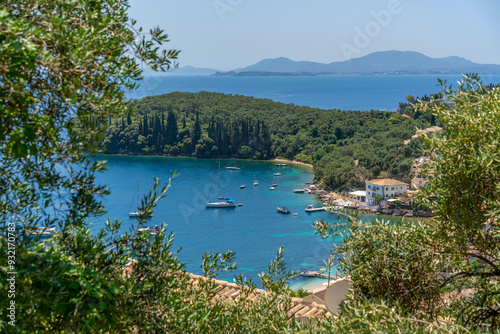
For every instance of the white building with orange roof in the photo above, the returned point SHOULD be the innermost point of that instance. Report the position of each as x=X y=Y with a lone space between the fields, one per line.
x=386 y=188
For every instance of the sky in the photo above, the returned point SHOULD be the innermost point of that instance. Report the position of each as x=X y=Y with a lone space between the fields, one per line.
x=230 y=34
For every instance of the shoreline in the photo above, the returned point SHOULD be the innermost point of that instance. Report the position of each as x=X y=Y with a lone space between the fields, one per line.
x=295 y=162
x=336 y=199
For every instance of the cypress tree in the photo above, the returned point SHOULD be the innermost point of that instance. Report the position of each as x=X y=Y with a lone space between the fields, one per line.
x=172 y=128
x=196 y=132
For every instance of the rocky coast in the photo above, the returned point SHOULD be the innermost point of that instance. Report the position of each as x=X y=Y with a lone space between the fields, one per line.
x=335 y=199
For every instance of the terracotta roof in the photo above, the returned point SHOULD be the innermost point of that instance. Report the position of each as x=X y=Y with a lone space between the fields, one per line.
x=299 y=308
x=387 y=182
x=321 y=294
x=434 y=129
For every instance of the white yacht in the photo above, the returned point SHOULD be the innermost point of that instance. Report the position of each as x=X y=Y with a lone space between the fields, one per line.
x=221 y=202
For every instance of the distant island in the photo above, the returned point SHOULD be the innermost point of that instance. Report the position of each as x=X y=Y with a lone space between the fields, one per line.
x=377 y=63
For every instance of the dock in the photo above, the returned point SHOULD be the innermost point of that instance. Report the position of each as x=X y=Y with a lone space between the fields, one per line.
x=318 y=274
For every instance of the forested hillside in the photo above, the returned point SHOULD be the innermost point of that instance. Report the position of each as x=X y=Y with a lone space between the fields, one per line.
x=345 y=146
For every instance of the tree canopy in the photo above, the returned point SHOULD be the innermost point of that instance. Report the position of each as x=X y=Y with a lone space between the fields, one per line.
x=64 y=68
x=447 y=267
x=346 y=147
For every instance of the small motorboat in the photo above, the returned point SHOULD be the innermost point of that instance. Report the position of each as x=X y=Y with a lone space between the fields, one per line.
x=43 y=232
x=310 y=208
x=307 y=273
x=277 y=174
x=137 y=214
x=295 y=214
x=299 y=190
x=233 y=168
x=283 y=209
x=151 y=230
x=272 y=188
x=242 y=186
x=275 y=185
x=255 y=183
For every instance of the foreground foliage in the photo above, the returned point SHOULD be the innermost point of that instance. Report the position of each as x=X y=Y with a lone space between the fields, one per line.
x=446 y=268
x=64 y=68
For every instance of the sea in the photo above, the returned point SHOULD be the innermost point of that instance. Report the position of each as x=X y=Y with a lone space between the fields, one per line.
x=345 y=92
x=255 y=230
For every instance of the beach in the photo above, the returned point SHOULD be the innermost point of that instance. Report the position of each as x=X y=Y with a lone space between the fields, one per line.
x=295 y=162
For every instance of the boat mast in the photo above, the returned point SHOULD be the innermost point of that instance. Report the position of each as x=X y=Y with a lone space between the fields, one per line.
x=211 y=188
x=218 y=184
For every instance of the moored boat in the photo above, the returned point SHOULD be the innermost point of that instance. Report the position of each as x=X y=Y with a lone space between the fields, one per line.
x=222 y=202
x=242 y=186
x=306 y=273
x=311 y=208
x=43 y=232
x=233 y=168
x=277 y=174
x=272 y=188
x=138 y=214
x=151 y=229
x=299 y=190
x=255 y=183
x=283 y=209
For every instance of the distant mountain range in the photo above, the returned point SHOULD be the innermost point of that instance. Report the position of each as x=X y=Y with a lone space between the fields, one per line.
x=190 y=70
x=384 y=62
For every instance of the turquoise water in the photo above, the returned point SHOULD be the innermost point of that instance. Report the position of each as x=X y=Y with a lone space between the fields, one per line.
x=255 y=231
x=354 y=92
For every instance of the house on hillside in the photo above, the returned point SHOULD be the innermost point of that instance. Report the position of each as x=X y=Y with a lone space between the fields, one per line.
x=433 y=129
x=418 y=133
x=418 y=181
x=386 y=188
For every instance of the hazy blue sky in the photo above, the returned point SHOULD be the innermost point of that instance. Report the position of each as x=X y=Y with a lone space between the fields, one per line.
x=227 y=34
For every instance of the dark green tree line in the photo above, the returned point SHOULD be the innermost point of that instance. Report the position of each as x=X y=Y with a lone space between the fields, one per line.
x=346 y=147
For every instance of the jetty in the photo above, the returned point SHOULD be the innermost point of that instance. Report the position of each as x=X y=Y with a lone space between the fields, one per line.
x=317 y=274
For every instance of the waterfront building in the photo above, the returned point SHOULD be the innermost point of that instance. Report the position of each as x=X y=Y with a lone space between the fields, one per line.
x=386 y=188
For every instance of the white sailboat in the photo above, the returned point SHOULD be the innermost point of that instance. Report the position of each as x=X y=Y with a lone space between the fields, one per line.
x=221 y=202
x=135 y=214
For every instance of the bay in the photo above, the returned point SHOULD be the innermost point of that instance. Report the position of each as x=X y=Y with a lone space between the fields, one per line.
x=345 y=92
x=255 y=231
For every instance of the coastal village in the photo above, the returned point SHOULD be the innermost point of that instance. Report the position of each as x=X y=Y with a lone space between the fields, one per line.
x=383 y=196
